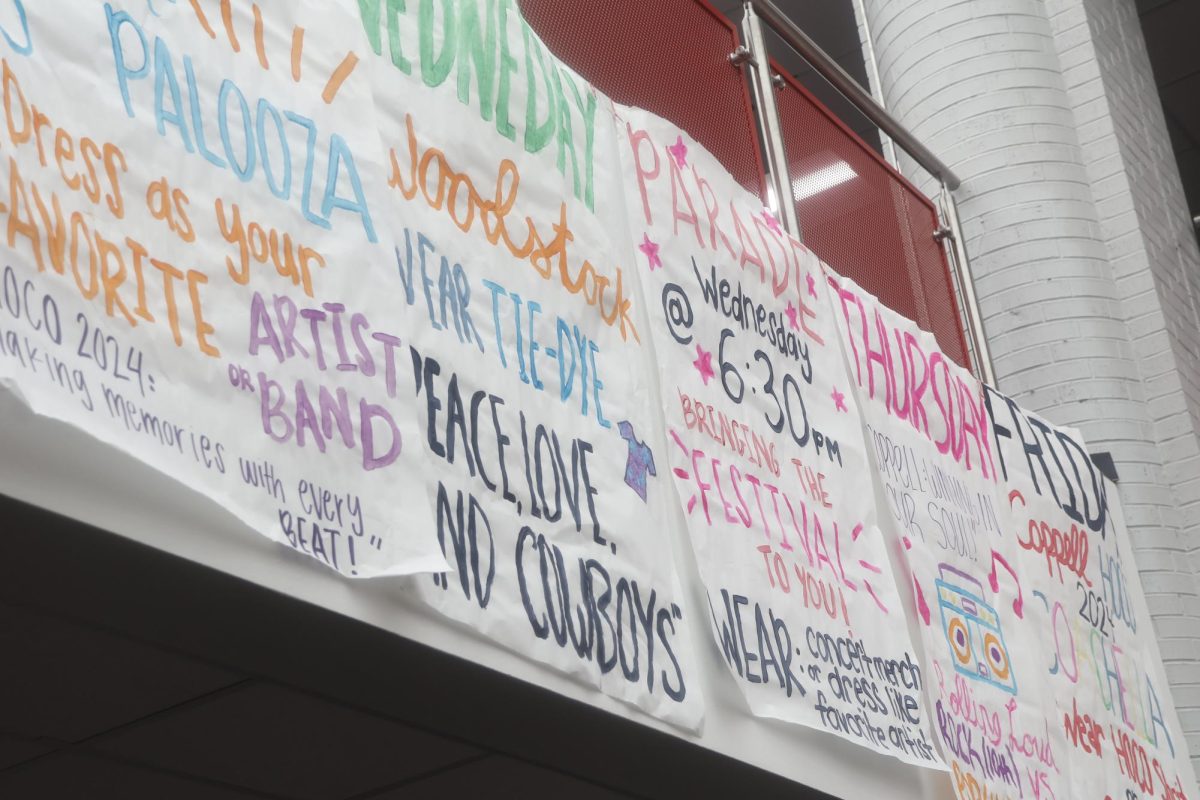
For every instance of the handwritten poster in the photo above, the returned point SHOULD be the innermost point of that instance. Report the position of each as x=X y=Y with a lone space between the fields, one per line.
x=767 y=454
x=530 y=359
x=1023 y=579
x=406 y=294
x=190 y=263
x=260 y=249
x=1099 y=655
x=934 y=454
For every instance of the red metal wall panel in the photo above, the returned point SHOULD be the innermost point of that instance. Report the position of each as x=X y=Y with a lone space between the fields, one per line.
x=670 y=57
x=865 y=220
x=857 y=213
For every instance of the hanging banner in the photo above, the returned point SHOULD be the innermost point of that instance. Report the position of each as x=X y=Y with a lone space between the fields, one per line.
x=1022 y=576
x=530 y=362
x=932 y=453
x=261 y=250
x=408 y=296
x=1099 y=657
x=767 y=453
x=191 y=259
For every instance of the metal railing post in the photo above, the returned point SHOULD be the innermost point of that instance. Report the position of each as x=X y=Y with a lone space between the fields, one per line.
x=756 y=12
x=831 y=71
x=768 y=118
x=965 y=281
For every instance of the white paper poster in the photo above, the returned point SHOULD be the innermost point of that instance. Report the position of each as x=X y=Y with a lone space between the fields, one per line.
x=408 y=296
x=260 y=249
x=1099 y=657
x=189 y=263
x=767 y=454
x=1021 y=576
x=530 y=362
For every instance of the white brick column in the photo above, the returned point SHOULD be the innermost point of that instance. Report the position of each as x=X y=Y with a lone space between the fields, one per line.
x=1087 y=272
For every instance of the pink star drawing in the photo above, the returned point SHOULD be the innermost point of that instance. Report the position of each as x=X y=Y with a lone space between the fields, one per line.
x=703 y=364
x=812 y=285
x=678 y=152
x=651 y=250
x=839 y=400
x=791 y=313
x=769 y=217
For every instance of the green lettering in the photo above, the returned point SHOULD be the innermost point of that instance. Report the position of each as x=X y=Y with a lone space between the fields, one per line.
x=537 y=136
x=508 y=67
x=565 y=144
x=436 y=68
x=588 y=114
x=475 y=47
x=369 y=12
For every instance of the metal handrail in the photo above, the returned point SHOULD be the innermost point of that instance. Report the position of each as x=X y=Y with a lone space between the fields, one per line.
x=753 y=50
x=856 y=94
x=965 y=278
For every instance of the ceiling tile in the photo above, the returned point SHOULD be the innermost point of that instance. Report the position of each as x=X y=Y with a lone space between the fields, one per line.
x=83 y=777
x=72 y=682
x=14 y=750
x=499 y=778
x=275 y=740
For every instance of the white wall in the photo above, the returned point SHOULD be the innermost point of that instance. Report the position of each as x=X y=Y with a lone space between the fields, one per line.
x=1152 y=248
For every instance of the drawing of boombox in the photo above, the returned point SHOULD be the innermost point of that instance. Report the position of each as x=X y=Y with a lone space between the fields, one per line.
x=973 y=630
